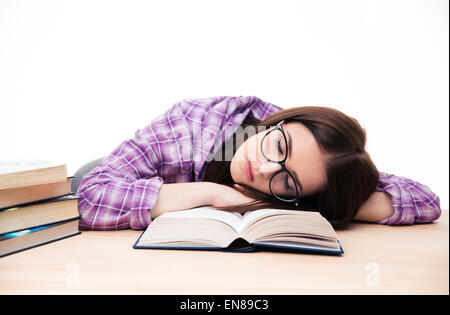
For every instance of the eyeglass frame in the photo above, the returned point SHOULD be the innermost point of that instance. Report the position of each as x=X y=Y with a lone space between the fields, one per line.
x=282 y=163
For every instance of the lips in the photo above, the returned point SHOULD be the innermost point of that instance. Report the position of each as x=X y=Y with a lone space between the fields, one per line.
x=248 y=170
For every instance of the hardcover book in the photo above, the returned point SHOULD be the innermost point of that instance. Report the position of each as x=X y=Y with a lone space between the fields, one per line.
x=23 y=195
x=21 y=173
x=11 y=243
x=38 y=213
x=206 y=228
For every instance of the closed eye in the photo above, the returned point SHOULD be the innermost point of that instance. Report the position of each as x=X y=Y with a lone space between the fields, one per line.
x=286 y=183
x=279 y=147
x=296 y=180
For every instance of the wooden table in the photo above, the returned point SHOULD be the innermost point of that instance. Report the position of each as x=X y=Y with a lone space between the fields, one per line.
x=378 y=260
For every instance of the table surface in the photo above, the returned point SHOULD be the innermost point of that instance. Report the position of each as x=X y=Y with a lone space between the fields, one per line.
x=378 y=259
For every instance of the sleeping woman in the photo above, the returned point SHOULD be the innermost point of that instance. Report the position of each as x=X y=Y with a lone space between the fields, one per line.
x=241 y=154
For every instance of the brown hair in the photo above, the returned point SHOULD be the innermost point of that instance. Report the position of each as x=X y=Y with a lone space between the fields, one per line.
x=351 y=174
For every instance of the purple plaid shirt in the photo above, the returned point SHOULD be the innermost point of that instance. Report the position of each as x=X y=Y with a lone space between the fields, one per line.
x=176 y=147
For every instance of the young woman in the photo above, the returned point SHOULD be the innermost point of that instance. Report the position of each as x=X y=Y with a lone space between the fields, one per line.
x=241 y=154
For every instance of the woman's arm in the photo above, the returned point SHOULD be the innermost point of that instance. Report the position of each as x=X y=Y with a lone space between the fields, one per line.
x=376 y=208
x=409 y=202
x=182 y=196
x=120 y=192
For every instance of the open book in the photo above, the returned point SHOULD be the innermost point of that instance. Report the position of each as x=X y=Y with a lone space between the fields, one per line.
x=210 y=229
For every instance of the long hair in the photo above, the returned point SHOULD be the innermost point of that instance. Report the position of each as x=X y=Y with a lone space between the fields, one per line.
x=351 y=174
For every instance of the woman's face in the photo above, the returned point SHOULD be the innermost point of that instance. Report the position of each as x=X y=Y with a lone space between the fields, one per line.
x=305 y=161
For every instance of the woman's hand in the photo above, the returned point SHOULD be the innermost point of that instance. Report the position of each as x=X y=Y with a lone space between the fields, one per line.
x=224 y=196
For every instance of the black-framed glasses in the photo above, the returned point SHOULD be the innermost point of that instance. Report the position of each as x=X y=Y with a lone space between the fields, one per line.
x=274 y=148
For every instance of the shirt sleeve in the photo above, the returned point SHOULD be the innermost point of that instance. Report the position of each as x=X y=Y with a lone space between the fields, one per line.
x=121 y=190
x=413 y=202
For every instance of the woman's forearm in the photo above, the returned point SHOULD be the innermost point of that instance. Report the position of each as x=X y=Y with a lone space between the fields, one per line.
x=412 y=201
x=376 y=208
x=182 y=196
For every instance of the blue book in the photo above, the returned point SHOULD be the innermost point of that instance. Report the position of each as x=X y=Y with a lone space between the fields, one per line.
x=206 y=228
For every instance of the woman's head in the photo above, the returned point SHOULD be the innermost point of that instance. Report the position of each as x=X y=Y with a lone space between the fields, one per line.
x=326 y=158
x=254 y=163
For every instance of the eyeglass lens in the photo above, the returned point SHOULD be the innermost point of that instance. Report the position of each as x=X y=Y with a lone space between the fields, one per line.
x=274 y=148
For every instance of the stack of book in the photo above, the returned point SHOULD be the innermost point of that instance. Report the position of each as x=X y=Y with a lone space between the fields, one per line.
x=36 y=205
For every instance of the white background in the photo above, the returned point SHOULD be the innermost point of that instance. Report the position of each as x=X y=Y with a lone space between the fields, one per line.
x=79 y=77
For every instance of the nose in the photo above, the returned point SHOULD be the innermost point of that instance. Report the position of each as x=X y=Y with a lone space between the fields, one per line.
x=267 y=168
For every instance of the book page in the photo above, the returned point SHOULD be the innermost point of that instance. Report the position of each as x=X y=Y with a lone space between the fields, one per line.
x=233 y=219
x=254 y=216
x=7 y=167
x=250 y=215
